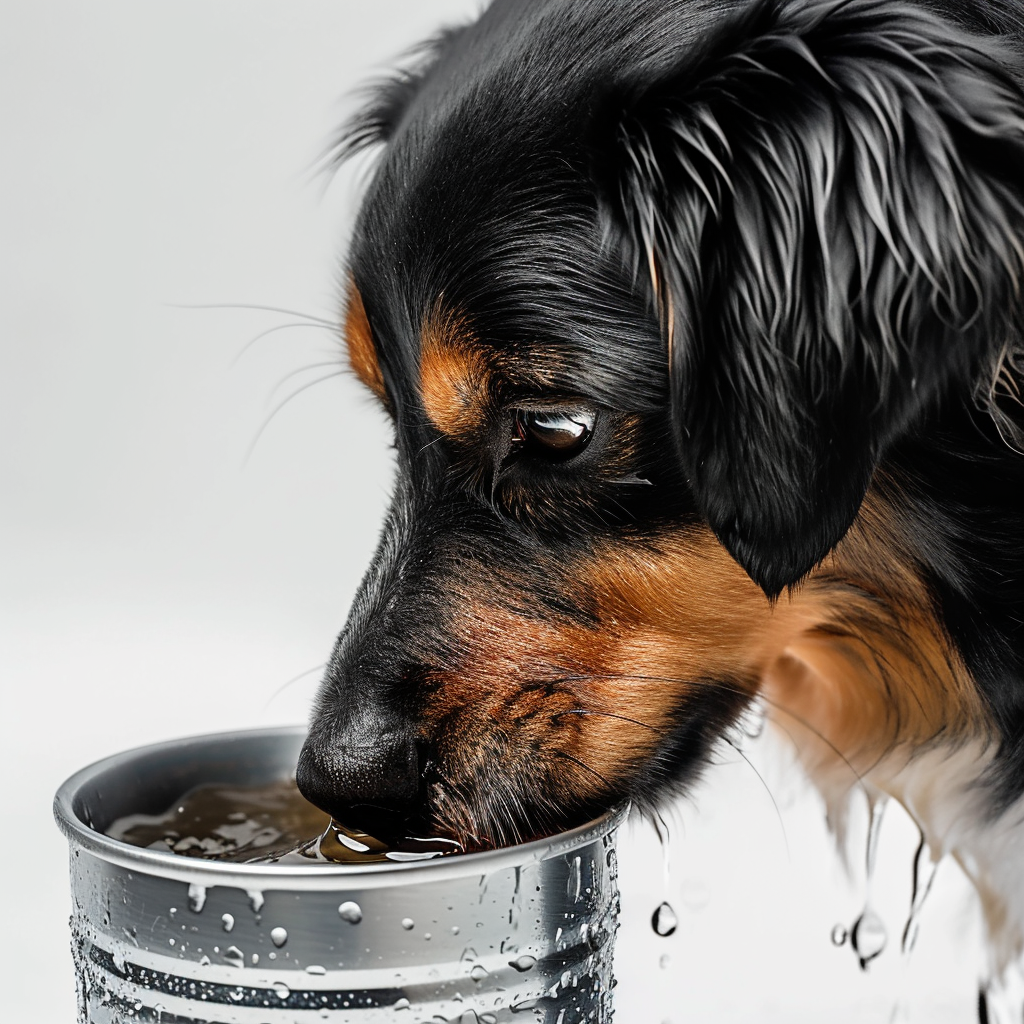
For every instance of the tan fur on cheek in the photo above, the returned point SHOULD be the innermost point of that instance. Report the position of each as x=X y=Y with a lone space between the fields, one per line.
x=453 y=374
x=585 y=708
x=362 y=356
x=877 y=674
x=853 y=663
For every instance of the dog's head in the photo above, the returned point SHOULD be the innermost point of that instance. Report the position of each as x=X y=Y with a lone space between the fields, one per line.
x=648 y=292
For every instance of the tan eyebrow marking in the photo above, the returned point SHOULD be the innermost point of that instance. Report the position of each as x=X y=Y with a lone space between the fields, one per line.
x=362 y=356
x=453 y=373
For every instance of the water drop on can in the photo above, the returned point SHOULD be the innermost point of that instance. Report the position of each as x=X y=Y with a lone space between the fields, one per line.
x=278 y=936
x=351 y=912
x=196 y=898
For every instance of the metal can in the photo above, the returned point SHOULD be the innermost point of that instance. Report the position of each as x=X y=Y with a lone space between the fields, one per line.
x=522 y=933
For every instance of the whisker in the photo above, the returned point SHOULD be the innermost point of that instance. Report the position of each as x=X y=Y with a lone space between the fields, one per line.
x=731 y=688
x=304 y=369
x=295 y=394
x=584 y=766
x=246 y=305
x=292 y=681
x=273 y=330
x=605 y=714
x=771 y=796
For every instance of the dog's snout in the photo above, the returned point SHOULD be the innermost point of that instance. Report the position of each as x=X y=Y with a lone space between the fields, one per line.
x=376 y=787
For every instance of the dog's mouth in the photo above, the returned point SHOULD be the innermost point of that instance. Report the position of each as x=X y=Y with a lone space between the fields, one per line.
x=474 y=793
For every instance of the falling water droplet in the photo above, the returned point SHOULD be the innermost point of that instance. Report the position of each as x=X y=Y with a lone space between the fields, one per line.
x=408 y=923
x=839 y=935
x=664 y=920
x=227 y=921
x=868 y=936
x=523 y=963
x=278 y=936
x=923 y=875
x=351 y=912
x=196 y=898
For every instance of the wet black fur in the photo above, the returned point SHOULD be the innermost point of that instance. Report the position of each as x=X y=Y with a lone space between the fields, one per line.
x=831 y=197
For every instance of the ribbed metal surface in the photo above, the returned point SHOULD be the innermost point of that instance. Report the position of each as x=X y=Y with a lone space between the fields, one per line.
x=511 y=935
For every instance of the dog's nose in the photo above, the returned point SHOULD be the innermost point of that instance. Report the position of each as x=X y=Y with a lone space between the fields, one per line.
x=377 y=789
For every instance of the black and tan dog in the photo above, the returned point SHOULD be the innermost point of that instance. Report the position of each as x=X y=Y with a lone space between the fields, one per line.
x=700 y=327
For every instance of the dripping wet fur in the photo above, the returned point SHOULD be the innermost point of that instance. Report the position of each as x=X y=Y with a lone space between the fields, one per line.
x=699 y=328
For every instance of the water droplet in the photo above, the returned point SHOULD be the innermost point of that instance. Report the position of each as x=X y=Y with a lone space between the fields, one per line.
x=196 y=898
x=839 y=935
x=281 y=990
x=227 y=921
x=523 y=963
x=924 y=875
x=876 y=812
x=488 y=1018
x=664 y=960
x=572 y=885
x=316 y=969
x=868 y=936
x=278 y=936
x=664 y=920
x=256 y=900
x=408 y=923
x=478 y=973
x=204 y=961
x=401 y=1004
x=455 y=929
x=234 y=956
x=351 y=912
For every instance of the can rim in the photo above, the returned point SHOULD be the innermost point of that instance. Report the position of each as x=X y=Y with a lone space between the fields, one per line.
x=81 y=836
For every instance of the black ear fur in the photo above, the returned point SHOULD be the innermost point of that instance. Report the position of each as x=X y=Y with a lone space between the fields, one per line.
x=388 y=98
x=828 y=200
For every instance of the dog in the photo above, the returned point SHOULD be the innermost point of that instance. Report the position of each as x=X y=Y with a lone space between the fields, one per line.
x=699 y=325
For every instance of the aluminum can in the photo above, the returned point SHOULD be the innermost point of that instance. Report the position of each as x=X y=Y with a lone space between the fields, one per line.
x=519 y=934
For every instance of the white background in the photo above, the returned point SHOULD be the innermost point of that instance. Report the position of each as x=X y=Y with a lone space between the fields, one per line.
x=160 y=579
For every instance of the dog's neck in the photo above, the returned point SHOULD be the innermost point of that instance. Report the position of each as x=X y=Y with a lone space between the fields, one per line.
x=874 y=696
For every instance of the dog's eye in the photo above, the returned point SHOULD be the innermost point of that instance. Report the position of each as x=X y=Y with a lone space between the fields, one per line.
x=555 y=434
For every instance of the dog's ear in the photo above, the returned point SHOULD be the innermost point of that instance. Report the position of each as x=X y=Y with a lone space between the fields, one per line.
x=387 y=99
x=827 y=200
